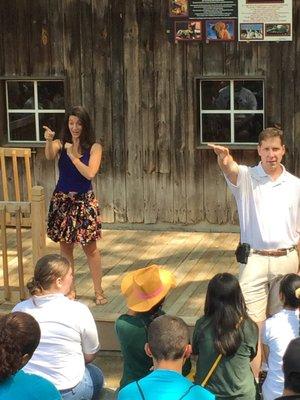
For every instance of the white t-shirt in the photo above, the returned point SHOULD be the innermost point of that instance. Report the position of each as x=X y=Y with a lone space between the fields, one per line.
x=67 y=331
x=269 y=211
x=277 y=333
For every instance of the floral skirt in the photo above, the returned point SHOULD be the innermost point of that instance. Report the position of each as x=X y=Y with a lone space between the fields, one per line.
x=74 y=218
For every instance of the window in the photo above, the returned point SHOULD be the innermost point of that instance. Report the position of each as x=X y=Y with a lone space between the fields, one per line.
x=32 y=104
x=231 y=111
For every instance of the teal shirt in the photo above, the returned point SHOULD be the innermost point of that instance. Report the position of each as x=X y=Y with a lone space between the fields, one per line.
x=163 y=384
x=233 y=377
x=23 y=386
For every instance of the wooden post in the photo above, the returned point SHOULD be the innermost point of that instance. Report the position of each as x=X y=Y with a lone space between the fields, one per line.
x=38 y=223
x=7 y=292
x=20 y=254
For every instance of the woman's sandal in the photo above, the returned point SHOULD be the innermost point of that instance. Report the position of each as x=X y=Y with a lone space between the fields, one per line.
x=100 y=299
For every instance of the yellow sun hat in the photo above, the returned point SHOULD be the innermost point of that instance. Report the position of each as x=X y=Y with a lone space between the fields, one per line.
x=146 y=287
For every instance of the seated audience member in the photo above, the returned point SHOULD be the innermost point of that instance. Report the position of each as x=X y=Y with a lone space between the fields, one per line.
x=168 y=346
x=69 y=338
x=225 y=341
x=277 y=333
x=291 y=371
x=19 y=336
x=145 y=290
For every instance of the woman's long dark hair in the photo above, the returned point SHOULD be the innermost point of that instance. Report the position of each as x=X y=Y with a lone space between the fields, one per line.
x=87 y=137
x=225 y=306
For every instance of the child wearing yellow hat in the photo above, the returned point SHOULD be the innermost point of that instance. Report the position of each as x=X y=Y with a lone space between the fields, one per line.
x=144 y=290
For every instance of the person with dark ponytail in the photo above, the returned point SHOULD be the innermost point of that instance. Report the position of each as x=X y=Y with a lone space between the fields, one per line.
x=225 y=341
x=69 y=338
x=277 y=333
x=19 y=337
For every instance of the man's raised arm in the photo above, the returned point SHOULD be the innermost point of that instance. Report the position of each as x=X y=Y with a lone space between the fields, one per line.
x=226 y=162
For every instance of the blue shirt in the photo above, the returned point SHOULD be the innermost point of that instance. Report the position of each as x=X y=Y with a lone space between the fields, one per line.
x=23 y=386
x=164 y=384
x=70 y=179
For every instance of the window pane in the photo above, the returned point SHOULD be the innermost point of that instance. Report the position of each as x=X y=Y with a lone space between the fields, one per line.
x=248 y=95
x=53 y=121
x=216 y=128
x=215 y=95
x=247 y=127
x=51 y=95
x=22 y=127
x=20 y=95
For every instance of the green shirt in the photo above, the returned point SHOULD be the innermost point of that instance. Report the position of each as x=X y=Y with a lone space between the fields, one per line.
x=233 y=377
x=132 y=334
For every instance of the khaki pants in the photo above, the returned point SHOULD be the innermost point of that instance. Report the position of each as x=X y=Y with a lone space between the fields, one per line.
x=258 y=282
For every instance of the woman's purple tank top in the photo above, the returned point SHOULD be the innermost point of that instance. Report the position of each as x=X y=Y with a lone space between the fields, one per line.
x=70 y=179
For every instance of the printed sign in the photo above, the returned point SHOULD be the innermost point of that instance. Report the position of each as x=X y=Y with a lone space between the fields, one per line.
x=213 y=9
x=267 y=20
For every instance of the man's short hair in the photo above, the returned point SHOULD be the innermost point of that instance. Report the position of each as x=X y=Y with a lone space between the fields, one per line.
x=167 y=337
x=271 y=132
x=291 y=366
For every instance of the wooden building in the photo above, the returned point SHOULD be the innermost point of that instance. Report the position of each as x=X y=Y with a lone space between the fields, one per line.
x=115 y=58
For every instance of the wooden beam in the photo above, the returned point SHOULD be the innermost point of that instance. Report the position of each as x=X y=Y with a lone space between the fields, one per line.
x=7 y=293
x=13 y=206
x=38 y=223
x=20 y=254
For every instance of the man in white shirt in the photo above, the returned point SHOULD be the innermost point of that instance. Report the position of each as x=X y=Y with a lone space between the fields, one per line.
x=268 y=202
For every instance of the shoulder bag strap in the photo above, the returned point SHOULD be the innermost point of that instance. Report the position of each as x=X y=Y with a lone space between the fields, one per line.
x=140 y=390
x=212 y=370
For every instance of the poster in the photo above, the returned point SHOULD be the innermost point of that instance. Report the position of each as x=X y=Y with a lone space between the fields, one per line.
x=188 y=30
x=213 y=9
x=202 y=20
x=178 y=9
x=220 y=30
x=265 y=20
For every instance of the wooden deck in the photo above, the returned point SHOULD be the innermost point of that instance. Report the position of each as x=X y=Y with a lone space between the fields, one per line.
x=193 y=257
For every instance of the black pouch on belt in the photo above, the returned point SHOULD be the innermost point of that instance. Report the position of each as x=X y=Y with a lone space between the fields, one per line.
x=242 y=253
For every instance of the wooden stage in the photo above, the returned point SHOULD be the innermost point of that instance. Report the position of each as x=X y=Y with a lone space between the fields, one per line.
x=193 y=257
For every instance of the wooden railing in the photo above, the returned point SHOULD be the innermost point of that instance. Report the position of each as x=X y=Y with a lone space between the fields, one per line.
x=12 y=160
x=36 y=209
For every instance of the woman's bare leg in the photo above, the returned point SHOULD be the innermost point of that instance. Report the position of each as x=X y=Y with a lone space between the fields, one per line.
x=66 y=250
x=94 y=261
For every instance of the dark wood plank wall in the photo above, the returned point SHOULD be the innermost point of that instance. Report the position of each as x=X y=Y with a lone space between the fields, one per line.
x=139 y=90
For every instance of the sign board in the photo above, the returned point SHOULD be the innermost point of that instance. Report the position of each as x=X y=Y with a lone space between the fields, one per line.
x=265 y=20
x=230 y=20
x=204 y=20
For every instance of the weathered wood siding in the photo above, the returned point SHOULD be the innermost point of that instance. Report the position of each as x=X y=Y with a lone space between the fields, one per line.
x=139 y=90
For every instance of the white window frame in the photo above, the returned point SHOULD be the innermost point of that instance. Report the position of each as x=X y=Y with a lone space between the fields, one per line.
x=231 y=111
x=36 y=110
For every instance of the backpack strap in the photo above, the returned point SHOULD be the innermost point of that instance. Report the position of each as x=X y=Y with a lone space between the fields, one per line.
x=140 y=390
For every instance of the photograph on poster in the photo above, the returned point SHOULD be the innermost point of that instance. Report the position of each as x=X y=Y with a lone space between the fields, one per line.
x=251 y=31
x=263 y=1
x=178 y=8
x=220 y=30
x=278 y=29
x=188 y=30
